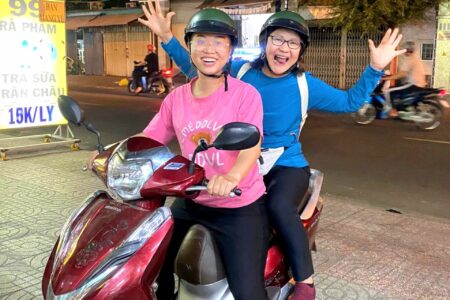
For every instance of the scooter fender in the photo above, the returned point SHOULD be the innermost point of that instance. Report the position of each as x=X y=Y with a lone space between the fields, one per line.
x=135 y=279
x=48 y=270
x=93 y=252
x=275 y=272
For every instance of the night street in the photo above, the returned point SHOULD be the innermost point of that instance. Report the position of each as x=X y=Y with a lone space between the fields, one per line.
x=389 y=163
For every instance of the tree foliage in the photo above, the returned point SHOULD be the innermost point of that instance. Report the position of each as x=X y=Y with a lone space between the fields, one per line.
x=370 y=15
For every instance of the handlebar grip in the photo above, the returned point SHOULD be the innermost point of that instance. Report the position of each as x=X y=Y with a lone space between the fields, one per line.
x=236 y=191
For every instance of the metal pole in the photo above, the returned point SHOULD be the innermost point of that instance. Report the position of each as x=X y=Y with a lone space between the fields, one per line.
x=343 y=59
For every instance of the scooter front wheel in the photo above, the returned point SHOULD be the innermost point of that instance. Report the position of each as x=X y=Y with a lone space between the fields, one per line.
x=365 y=115
x=131 y=87
x=430 y=114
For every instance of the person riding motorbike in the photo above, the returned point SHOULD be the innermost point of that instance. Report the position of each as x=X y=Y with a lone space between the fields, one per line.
x=194 y=113
x=288 y=92
x=412 y=74
x=142 y=69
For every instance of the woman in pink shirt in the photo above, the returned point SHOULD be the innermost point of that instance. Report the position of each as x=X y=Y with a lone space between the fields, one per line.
x=197 y=111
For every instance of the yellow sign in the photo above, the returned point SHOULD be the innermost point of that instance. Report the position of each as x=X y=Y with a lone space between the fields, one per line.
x=52 y=11
x=442 y=59
x=33 y=64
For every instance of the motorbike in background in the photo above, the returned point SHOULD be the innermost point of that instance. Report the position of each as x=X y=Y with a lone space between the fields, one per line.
x=114 y=245
x=158 y=83
x=419 y=105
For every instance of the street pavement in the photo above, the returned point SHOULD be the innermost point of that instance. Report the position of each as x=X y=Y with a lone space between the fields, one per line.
x=363 y=251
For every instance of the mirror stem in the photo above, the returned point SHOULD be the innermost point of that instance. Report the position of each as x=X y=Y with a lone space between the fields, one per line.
x=192 y=163
x=203 y=146
x=100 y=147
x=91 y=128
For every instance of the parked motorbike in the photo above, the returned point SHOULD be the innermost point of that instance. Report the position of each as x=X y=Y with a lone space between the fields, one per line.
x=419 y=105
x=159 y=83
x=114 y=245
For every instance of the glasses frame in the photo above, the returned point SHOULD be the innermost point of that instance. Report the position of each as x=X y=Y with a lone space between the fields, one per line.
x=300 y=45
x=207 y=44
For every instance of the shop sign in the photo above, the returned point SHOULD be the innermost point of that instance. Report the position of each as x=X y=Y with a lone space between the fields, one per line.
x=33 y=64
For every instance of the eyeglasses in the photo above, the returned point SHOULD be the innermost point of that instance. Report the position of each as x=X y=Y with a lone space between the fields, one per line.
x=218 y=44
x=279 y=41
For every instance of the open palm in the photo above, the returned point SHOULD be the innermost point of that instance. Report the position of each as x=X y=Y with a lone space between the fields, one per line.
x=156 y=21
x=382 y=55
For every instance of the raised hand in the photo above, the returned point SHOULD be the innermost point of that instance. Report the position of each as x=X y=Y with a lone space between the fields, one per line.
x=156 y=21
x=382 y=55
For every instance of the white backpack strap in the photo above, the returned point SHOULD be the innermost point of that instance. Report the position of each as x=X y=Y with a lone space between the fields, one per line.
x=303 y=88
x=244 y=68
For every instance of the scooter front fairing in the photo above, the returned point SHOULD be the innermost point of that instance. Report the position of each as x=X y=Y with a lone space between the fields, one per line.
x=108 y=248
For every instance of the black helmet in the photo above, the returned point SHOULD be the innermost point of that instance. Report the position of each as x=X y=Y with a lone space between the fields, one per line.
x=285 y=19
x=211 y=20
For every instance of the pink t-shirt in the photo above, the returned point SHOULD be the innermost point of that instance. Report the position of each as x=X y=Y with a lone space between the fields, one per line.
x=190 y=119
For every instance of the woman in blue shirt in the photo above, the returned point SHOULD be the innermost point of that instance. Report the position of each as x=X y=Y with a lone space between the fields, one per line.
x=287 y=93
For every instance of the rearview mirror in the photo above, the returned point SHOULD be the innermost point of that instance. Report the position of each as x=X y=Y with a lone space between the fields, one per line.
x=237 y=136
x=232 y=136
x=75 y=115
x=71 y=110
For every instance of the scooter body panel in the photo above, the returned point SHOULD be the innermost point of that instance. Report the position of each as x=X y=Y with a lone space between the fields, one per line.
x=90 y=237
x=173 y=178
x=134 y=280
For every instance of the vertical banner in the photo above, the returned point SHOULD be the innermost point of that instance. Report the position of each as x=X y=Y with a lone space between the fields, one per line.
x=442 y=57
x=32 y=62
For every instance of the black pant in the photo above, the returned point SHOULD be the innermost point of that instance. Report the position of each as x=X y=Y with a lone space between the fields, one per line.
x=286 y=187
x=241 y=235
x=137 y=77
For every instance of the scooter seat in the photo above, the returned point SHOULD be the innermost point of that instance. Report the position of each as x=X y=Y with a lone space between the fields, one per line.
x=302 y=203
x=198 y=260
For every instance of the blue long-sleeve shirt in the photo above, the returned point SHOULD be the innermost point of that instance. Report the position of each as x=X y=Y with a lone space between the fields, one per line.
x=282 y=101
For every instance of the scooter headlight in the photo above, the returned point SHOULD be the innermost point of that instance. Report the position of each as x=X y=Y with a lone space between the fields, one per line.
x=128 y=171
x=126 y=177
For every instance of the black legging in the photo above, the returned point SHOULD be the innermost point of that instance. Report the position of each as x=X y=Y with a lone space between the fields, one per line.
x=137 y=77
x=241 y=235
x=285 y=188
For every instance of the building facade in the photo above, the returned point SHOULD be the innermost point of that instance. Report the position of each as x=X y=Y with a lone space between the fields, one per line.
x=106 y=42
x=442 y=53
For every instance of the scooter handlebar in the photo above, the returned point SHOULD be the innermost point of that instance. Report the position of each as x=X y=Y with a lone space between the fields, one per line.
x=235 y=192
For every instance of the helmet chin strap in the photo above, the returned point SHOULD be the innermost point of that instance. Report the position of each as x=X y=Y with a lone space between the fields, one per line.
x=224 y=73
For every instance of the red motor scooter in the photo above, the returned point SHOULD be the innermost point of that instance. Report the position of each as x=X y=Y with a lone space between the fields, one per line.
x=114 y=245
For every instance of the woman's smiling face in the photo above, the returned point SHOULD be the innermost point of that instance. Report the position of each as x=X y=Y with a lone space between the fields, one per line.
x=210 y=52
x=280 y=54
